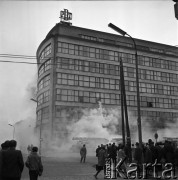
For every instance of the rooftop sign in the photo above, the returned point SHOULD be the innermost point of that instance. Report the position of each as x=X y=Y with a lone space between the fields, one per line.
x=65 y=15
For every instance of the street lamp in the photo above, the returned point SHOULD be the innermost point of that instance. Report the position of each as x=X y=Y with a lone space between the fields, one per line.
x=120 y=31
x=13 y=129
x=40 y=138
x=176 y=9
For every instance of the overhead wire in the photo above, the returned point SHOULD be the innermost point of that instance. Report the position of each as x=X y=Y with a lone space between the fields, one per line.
x=12 y=56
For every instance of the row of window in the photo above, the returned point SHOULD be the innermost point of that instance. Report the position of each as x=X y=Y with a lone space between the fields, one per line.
x=87 y=66
x=113 y=99
x=43 y=114
x=86 y=81
x=44 y=82
x=113 y=84
x=110 y=69
x=92 y=38
x=126 y=44
x=151 y=75
x=46 y=66
x=46 y=51
x=86 y=96
x=156 y=102
x=156 y=114
x=97 y=53
x=43 y=98
x=151 y=88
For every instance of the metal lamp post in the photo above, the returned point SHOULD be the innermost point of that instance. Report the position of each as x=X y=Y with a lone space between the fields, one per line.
x=13 y=129
x=40 y=138
x=120 y=31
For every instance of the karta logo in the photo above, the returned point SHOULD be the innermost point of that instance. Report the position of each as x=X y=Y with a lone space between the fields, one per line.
x=142 y=171
x=110 y=169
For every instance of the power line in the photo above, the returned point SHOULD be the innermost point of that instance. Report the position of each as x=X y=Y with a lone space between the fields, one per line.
x=17 y=56
x=2 y=61
x=12 y=56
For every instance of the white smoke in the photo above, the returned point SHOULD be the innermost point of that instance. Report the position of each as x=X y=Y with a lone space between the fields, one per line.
x=21 y=114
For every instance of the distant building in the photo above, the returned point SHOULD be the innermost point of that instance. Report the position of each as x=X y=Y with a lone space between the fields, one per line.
x=79 y=67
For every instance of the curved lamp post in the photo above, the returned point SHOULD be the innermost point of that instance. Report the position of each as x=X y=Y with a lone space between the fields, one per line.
x=120 y=31
x=13 y=129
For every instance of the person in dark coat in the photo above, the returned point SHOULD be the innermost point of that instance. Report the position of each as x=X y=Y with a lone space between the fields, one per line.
x=97 y=150
x=113 y=152
x=12 y=162
x=102 y=154
x=138 y=154
x=83 y=153
x=4 y=147
x=34 y=164
x=176 y=156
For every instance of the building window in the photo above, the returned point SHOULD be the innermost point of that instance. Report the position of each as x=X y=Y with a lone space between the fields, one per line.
x=43 y=98
x=45 y=53
x=44 y=82
x=43 y=115
x=46 y=66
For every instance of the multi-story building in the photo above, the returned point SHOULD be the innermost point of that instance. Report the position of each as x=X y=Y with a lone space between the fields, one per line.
x=78 y=66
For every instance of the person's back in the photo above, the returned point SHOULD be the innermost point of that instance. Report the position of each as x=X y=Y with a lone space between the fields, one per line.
x=101 y=157
x=34 y=164
x=12 y=162
x=138 y=154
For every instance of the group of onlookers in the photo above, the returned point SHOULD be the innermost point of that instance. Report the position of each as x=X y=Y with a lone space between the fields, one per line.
x=12 y=163
x=149 y=152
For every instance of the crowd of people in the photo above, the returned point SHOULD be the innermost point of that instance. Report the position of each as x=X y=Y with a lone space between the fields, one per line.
x=150 y=152
x=12 y=163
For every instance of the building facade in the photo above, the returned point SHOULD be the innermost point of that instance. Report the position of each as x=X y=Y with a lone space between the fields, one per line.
x=78 y=67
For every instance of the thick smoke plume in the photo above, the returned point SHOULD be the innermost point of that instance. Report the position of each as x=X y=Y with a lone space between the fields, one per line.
x=96 y=126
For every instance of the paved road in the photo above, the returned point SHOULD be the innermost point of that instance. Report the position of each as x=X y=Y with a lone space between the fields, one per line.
x=66 y=168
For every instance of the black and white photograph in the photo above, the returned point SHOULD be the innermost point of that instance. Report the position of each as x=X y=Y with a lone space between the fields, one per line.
x=88 y=89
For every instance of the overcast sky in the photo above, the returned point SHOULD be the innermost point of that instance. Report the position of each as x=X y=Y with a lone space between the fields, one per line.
x=24 y=24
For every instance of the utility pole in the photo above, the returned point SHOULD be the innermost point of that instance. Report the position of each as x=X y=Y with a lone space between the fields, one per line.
x=128 y=143
x=122 y=104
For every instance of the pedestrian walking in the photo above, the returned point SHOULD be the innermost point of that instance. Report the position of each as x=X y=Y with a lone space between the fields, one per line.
x=101 y=160
x=12 y=162
x=83 y=153
x=34 y=164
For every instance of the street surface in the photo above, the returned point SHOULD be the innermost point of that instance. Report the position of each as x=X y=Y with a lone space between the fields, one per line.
x=68 y=167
